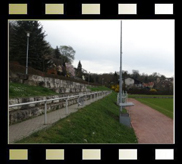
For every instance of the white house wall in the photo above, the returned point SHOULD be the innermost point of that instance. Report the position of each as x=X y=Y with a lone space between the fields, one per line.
x=129 y=81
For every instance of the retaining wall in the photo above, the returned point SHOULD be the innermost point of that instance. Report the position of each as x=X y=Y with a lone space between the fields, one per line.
x=57 y=85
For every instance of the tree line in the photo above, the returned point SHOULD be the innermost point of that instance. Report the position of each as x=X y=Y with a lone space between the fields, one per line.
x=41 y=55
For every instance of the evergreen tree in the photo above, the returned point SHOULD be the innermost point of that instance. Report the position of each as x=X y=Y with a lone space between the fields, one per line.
x=79 y=70
x=115 y=78
x=38 y=47
x=79 y=66
x=57 y=53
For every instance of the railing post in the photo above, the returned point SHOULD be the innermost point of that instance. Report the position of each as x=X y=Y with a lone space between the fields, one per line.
x=45 y=112
x=83 y=99
x=126 y=96
x=78 y=100
x=67 y=106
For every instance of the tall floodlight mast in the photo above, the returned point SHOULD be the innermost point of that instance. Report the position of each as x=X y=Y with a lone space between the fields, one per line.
x=122 y=98
x=120 y=79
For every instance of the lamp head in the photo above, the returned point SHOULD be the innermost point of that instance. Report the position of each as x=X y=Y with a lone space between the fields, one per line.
x=28 y=33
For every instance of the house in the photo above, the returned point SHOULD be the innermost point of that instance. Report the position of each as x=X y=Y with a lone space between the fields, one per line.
x=130 y=82
x=169 y=80
x=148 y=85
x=52 y=69
x=138 y=83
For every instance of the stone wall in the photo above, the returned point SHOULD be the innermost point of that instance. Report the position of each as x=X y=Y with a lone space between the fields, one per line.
x=20 y=113
x=64 y=87
x=57 y=85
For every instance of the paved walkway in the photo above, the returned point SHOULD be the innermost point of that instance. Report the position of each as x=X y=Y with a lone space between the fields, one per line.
x=25 y=128
x=150 y=126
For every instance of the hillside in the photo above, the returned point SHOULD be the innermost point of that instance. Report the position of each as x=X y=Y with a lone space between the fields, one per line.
x=24 y=90
x=95 y=123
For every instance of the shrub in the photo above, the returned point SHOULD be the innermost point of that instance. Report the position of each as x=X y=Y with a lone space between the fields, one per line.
x=153 y=90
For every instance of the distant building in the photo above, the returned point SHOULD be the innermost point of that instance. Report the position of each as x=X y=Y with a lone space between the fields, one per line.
x=169 y=80
x=130 y=82
x=148 y=85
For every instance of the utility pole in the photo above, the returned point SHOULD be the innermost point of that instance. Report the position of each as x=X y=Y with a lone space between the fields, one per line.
x=122 y=119
x=120 y=79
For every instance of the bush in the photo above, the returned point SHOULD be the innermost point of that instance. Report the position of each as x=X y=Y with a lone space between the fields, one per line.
x=149 y=92
x=115 y=88
x=153 y=90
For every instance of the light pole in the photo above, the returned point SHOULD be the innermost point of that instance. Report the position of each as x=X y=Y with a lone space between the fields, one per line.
x=28 y=35
x=120 y=80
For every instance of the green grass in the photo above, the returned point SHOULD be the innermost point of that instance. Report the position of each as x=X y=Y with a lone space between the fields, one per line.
x=164 y=106
x=99 y=88
x=24 y=90
x=95 y=123
x=141 y=95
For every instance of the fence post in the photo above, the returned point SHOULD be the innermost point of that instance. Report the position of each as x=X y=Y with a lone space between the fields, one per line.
x=45 y=112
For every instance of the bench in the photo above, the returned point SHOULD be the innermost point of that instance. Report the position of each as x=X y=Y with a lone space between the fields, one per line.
x=126 y=104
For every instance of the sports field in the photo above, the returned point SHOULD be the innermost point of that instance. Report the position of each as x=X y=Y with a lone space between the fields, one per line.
x=163 y=105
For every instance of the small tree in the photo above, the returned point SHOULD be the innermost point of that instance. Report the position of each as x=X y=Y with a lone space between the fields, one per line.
x=70 y=70
x=57 y=53
x=115 y=78
x=67 y=54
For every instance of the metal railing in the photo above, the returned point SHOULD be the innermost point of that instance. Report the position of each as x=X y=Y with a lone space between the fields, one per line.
x=67 y=98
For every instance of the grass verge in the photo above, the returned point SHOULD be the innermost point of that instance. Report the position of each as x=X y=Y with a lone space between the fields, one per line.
x=164 y=106
x=141 y=95
x=24 y=90
x=99 y=88
x=95 y=123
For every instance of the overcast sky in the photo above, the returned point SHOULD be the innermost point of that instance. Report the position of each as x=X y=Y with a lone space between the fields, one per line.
x=147 y=45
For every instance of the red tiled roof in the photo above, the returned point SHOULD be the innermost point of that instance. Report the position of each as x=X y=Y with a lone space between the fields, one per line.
x=148 y=84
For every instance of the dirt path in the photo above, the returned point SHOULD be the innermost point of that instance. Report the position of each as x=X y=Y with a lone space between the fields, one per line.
x=150 y=125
